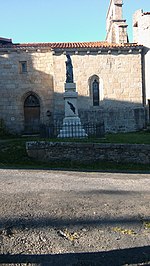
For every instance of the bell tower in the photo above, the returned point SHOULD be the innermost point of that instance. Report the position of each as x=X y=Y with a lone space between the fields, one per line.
x=116 y=26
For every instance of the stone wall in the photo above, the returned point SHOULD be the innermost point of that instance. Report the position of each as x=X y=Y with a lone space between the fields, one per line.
x=116 y=119
x=88 y=152
x=120 y=78
x=15 y=86
x=141 y=34
x=119 y=73
x=118 y=70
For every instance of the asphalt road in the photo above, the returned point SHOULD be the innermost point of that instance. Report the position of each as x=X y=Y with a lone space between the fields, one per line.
x=74 y=218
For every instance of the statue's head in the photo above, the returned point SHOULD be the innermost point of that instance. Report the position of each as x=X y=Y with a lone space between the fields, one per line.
x=68 y=56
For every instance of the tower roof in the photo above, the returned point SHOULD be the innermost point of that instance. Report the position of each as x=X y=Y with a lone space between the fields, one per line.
x=5 y=40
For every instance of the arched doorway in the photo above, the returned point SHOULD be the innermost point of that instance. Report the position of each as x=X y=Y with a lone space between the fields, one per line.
x=31 y=114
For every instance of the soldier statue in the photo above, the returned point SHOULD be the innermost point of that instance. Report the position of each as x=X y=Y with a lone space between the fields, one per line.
x=69 y=70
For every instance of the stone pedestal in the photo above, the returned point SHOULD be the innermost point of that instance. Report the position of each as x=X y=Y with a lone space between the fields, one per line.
x=72 y=127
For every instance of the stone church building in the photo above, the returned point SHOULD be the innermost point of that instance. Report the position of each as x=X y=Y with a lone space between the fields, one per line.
x=111 y=76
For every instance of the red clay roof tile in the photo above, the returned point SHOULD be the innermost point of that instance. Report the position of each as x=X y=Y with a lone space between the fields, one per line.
x=69 y=45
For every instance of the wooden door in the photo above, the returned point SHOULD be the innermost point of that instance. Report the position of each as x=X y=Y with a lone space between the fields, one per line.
x=31 y=115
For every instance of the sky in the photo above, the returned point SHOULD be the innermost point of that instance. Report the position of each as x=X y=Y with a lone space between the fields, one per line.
x=27 y=21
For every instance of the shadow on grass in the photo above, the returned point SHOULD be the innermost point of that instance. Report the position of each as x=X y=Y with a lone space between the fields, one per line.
x=137 y=255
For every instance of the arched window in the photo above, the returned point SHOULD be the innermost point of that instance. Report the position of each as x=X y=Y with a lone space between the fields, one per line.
x=95 y=92
x=32 y=100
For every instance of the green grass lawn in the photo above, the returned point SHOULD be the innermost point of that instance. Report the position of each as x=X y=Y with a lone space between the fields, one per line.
x=13 y=153
x=131 y=138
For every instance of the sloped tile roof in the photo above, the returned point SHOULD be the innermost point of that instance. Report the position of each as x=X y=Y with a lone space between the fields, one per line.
x=69 y=45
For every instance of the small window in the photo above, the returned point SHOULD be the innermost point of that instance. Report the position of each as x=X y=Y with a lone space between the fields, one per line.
x=95 y=89
x=23 y=66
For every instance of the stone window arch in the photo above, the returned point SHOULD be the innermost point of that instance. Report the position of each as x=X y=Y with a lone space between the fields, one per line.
x=31 y=100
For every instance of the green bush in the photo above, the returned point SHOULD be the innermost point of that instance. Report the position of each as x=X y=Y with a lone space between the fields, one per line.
x=3 y=130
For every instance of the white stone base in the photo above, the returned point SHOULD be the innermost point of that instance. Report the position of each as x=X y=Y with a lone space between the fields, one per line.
x=71 y=124
x=72 y=128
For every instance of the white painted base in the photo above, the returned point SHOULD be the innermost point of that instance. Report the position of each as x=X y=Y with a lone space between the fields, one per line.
x=72 y=128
